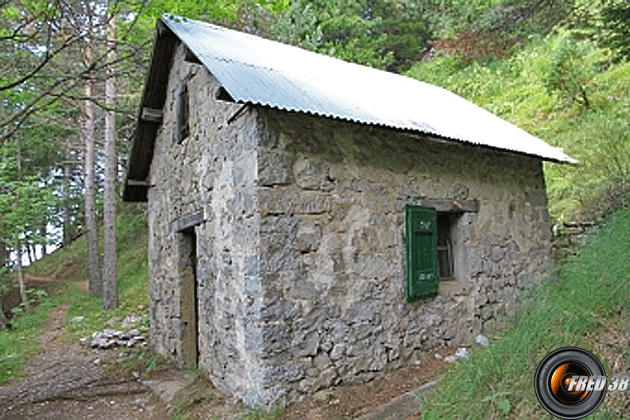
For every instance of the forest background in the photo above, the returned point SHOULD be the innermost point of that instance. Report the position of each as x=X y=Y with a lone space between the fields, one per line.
x=72 y=73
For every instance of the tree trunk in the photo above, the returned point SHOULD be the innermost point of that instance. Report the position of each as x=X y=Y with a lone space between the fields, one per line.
x=3 y=254
x=23 y=296
x=18 y=248
x=67 y=235
x=110 y=277
x=94 y=273
x=3 y=319
x=585 y=100
x=44 y=233
x=32 y=252
x=28 y=250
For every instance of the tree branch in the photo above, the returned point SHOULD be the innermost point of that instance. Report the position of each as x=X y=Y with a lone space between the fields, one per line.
x=70 y=98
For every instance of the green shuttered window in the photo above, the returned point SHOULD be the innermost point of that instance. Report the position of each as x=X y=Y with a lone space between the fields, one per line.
x=422 y=252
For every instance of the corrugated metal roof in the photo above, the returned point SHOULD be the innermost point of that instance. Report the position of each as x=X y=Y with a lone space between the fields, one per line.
x=259 y=71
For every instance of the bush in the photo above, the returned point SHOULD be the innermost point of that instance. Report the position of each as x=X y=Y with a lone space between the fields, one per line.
x=568 y=72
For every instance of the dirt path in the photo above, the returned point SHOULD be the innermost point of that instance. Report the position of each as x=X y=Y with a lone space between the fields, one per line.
x=68 y=381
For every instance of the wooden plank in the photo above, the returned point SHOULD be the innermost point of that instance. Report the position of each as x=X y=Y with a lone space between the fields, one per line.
x=137 y=183
x=153 y=97
x=451 y=206
x=188 y=221
x=151 y=115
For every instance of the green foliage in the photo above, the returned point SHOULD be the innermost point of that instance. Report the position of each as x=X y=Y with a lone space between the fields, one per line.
x=599 y=139
x=27 y=201
x=616 y=21
x=264 y=414
x=500 y=401
x=493 y=29
x=215 y=11
x=386 y=34
x=299 y=26
x=567 y=72
x=19 y=342
x=407 y=30
x=453 y=16
x=334 y=28
x=515 y=89
x=586 y=16
x=591 y=289
x=139 y=28
x=131 y=234
x=35 y=296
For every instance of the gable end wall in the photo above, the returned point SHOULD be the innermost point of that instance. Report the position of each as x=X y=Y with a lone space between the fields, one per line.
x=214 y=172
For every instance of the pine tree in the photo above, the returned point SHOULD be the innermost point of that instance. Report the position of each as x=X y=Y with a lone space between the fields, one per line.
x=110 y=277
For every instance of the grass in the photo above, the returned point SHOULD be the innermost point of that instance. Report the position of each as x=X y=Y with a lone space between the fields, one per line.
x=68 y=264
x=262 y=414
x=587 y=299
x=133 y=290
x=16 y=345
x=199 y=392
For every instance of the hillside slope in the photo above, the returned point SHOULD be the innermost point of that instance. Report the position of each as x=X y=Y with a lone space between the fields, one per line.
x=585 y=306
x=523 y=89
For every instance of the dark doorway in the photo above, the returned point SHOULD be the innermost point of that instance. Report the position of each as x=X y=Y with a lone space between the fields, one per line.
x=188 y=272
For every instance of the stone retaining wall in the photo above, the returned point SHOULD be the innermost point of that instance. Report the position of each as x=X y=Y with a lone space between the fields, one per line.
x=570 y=237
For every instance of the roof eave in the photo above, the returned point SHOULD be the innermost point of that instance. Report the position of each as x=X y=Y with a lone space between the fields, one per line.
x=153 y=97
x=565 y=159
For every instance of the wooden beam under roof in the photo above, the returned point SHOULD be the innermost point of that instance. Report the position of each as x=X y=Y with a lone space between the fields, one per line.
x=151 y=115
x=451 y=206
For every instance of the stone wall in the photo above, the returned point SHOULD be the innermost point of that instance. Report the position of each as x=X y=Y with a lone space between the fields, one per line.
x=570 y=237
x=212 y=172
x=300 y=243
x=333 y=253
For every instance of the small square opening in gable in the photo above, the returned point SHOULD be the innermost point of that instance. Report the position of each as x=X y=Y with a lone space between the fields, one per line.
x=183 y=114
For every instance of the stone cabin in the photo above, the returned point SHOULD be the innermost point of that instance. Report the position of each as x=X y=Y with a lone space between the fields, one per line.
x=315 y=222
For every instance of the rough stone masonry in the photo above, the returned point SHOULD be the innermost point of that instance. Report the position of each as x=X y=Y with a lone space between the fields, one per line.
x=299 y=252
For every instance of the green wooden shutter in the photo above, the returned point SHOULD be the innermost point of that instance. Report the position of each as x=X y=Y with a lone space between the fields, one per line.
x=421 y=247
